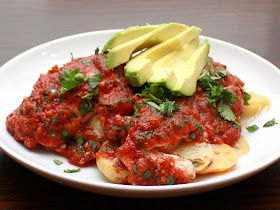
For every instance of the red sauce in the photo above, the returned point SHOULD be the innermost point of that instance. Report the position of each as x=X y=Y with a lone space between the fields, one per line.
x=131 y=126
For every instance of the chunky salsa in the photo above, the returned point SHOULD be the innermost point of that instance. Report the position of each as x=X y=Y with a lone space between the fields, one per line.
x=74 y=116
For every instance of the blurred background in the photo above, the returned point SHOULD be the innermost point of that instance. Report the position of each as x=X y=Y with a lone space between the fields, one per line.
x=252 y=24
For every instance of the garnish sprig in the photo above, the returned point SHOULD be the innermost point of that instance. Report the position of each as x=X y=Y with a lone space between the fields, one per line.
x=160 y=98
x=218 y=95
x=72 y=79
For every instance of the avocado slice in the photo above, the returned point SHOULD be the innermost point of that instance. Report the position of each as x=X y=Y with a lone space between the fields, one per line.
x=129 y=34
x=140 y=68
x=121 y=53
x=184 y=76
x=163 y=66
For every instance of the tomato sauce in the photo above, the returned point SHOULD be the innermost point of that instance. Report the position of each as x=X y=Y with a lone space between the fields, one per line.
x=136 y=131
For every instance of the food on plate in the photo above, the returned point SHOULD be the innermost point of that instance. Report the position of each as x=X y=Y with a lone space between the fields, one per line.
x=121 y=53
x=200 y=153
x=139 y=69
x=151 y=109
x=241 y=147
x=224 y=158
x=257 y=103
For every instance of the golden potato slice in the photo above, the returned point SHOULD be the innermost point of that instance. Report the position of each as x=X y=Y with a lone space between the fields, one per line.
x=251 y=110
x=241 y=147
x=259 y=99
x=256 y=103
x=200 y=152
x=108 y=166
x=224 y=157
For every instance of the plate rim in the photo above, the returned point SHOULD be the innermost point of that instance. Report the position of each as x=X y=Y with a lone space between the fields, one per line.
x=140 y=191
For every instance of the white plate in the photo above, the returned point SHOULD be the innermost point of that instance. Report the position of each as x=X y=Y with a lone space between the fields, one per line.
x=18 y=76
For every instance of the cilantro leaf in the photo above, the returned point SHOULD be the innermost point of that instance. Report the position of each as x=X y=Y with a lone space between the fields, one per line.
x=147 y=174
x=94 y=80
x=72 y=170
x=252 y=128
x=159 y=98
x=94 y=144
x=270 y=123
x=72 y=79
x=65 y=136
x=170 y=180
x=246 y=96
x=85 y=107
x=68 y=84
x=80 y=142
x=57 y=162
x=226 y=112
x=96 y=51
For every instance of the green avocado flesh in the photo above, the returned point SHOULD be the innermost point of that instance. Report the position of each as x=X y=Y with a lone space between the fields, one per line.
x=165 y=65
x=164 y=54
x=184 y=77
x=121 y=53
x=141 y=68
x=129 y=34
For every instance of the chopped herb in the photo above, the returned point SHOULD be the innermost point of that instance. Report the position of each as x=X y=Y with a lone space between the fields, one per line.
x=65 y=136
x=146 y=174
x=219 y=93
x=222 y=73
x=94 y=80
x=252 y=128
x=246 y=96
x=57 y=162
x=127 y=127
x=135 y=169
x=80 y=142
x=73 y=115
x=85 y=61
x=198 y=126
x=159 y=98
x=85 y=107
x=270 y=123
x=94 y=144
x=170 y=180
x=72 y=57
x=226 y=112
x=181 y=125
x=68 y=84
x=192 y=135
x=208 y=80
x=72 y=170
x=103 y=149
x=72 y=79
x=78 y=151
x=138 y=106
x=96 y=51
x=89 y=96
x=195 y=163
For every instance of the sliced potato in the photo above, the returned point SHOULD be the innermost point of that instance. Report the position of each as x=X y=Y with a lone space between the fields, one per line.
x=95 y=123
x=224 y=157
x=251 y=110
x=108 y=166
x=200 y=152
x=241 y=147
x=256 y=103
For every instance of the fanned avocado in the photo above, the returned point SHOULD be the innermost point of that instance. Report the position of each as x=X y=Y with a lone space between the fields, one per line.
x=163 y=66
x=184 y=77
x=129 y=34
x=121 y=53
x=140 y=68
